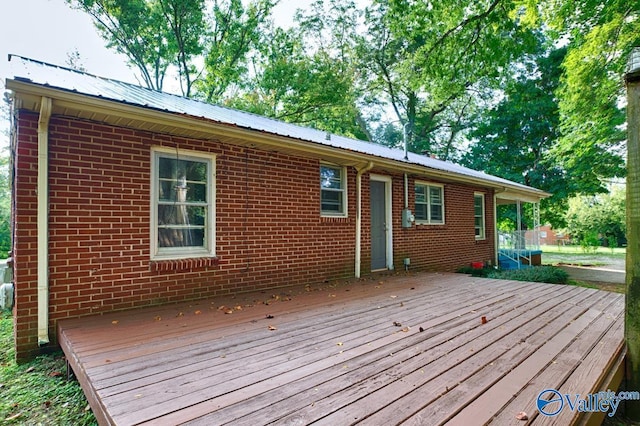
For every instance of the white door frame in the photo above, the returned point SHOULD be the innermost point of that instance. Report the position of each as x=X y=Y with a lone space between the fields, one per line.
x=388 y=216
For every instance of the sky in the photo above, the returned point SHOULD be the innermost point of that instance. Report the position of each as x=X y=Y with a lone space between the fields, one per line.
x=49 y=30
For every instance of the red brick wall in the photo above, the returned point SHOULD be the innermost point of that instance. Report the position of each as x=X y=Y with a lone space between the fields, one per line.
x=434 y=247
x=269 y=231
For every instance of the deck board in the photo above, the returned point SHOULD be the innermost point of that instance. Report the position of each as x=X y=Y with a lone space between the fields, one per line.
x=405 y=348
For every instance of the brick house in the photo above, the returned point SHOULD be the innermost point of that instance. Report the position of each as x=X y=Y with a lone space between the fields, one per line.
x=125 y=197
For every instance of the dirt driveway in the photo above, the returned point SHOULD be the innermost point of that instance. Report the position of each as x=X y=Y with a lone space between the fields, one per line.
x=606 y=272
x=596 y=274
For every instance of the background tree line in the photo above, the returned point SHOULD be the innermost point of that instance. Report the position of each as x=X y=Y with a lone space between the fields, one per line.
x=530 y=90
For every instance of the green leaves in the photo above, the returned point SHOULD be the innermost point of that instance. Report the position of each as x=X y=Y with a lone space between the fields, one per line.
x=600 y=36
x=435 y=61
x=515 y=139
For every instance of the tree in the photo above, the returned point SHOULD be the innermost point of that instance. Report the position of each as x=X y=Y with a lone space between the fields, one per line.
x=306 y=74
x=433 y=62
x=237 y=29
x=600 y=36
x=514 y=139
x=161 y=36
x=601 y=217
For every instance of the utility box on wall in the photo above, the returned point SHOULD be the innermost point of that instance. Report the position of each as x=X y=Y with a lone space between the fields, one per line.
x=407 y=218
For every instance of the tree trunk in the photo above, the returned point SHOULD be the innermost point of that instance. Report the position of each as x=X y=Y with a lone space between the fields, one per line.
x=632 y=314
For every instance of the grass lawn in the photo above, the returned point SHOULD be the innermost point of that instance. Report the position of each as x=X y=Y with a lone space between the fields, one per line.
x=575 y=255
x=599 y=251
x=38 y=392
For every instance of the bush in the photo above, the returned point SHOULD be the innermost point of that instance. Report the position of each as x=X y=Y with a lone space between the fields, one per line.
x=538 y=274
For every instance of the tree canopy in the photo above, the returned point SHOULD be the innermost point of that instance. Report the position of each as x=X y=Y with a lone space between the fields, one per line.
x=515 y=138
x=530 y=90
x=599 y=37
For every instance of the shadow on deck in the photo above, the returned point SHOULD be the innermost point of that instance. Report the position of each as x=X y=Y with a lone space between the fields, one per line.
x=405 y=348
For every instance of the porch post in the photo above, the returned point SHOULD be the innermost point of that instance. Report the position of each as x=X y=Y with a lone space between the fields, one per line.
x=632 y=312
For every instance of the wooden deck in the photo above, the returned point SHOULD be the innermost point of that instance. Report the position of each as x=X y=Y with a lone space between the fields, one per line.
x=400 y=349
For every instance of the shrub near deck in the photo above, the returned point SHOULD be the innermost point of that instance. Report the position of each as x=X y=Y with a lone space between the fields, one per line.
x=538 y=274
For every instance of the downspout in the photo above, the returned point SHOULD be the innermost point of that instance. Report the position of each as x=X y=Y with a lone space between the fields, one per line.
x=360 y=171
x=43 y=221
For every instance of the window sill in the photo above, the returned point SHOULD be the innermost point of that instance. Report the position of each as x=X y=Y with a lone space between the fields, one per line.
x=183 y=264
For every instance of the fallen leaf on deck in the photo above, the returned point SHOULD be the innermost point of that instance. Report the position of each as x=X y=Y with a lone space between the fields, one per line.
x=421 y=329
x=157 y=318
x=393 y=297
x=238 y=308
x=180 y=314
x=339 y=343
x=397 y=324
x=15 y=416
x=228 y=311
x=197 y=312
x=522 y=416
x=271 y=328
x=220 y=308
x=483 y=320
x=114 y=322
x=270 y=316
x=405 y=329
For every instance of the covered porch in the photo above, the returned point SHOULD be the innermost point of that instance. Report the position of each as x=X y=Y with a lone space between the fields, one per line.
x=520 y=247
x=422 y=349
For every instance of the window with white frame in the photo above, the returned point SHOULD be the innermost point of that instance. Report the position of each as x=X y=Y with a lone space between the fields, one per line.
x=183 y=204
x=478 y=213
x=429 y=203
x=333 y=191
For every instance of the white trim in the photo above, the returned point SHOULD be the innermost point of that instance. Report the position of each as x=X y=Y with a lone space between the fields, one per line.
x=345 y=192
x=484 y=216
x=210 y=227
x=428 y=221
x=388 y=181
x=42 y=221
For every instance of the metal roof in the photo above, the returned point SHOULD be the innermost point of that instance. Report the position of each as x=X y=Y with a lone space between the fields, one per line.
x=61 y=78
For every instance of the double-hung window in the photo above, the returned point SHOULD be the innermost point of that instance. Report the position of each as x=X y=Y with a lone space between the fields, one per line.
x=478 y=214
x=333 y=191
x=429 y=203
x=183 y=204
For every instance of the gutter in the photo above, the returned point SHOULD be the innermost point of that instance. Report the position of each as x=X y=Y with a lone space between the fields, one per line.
x=43 y=221
x=360 y=171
